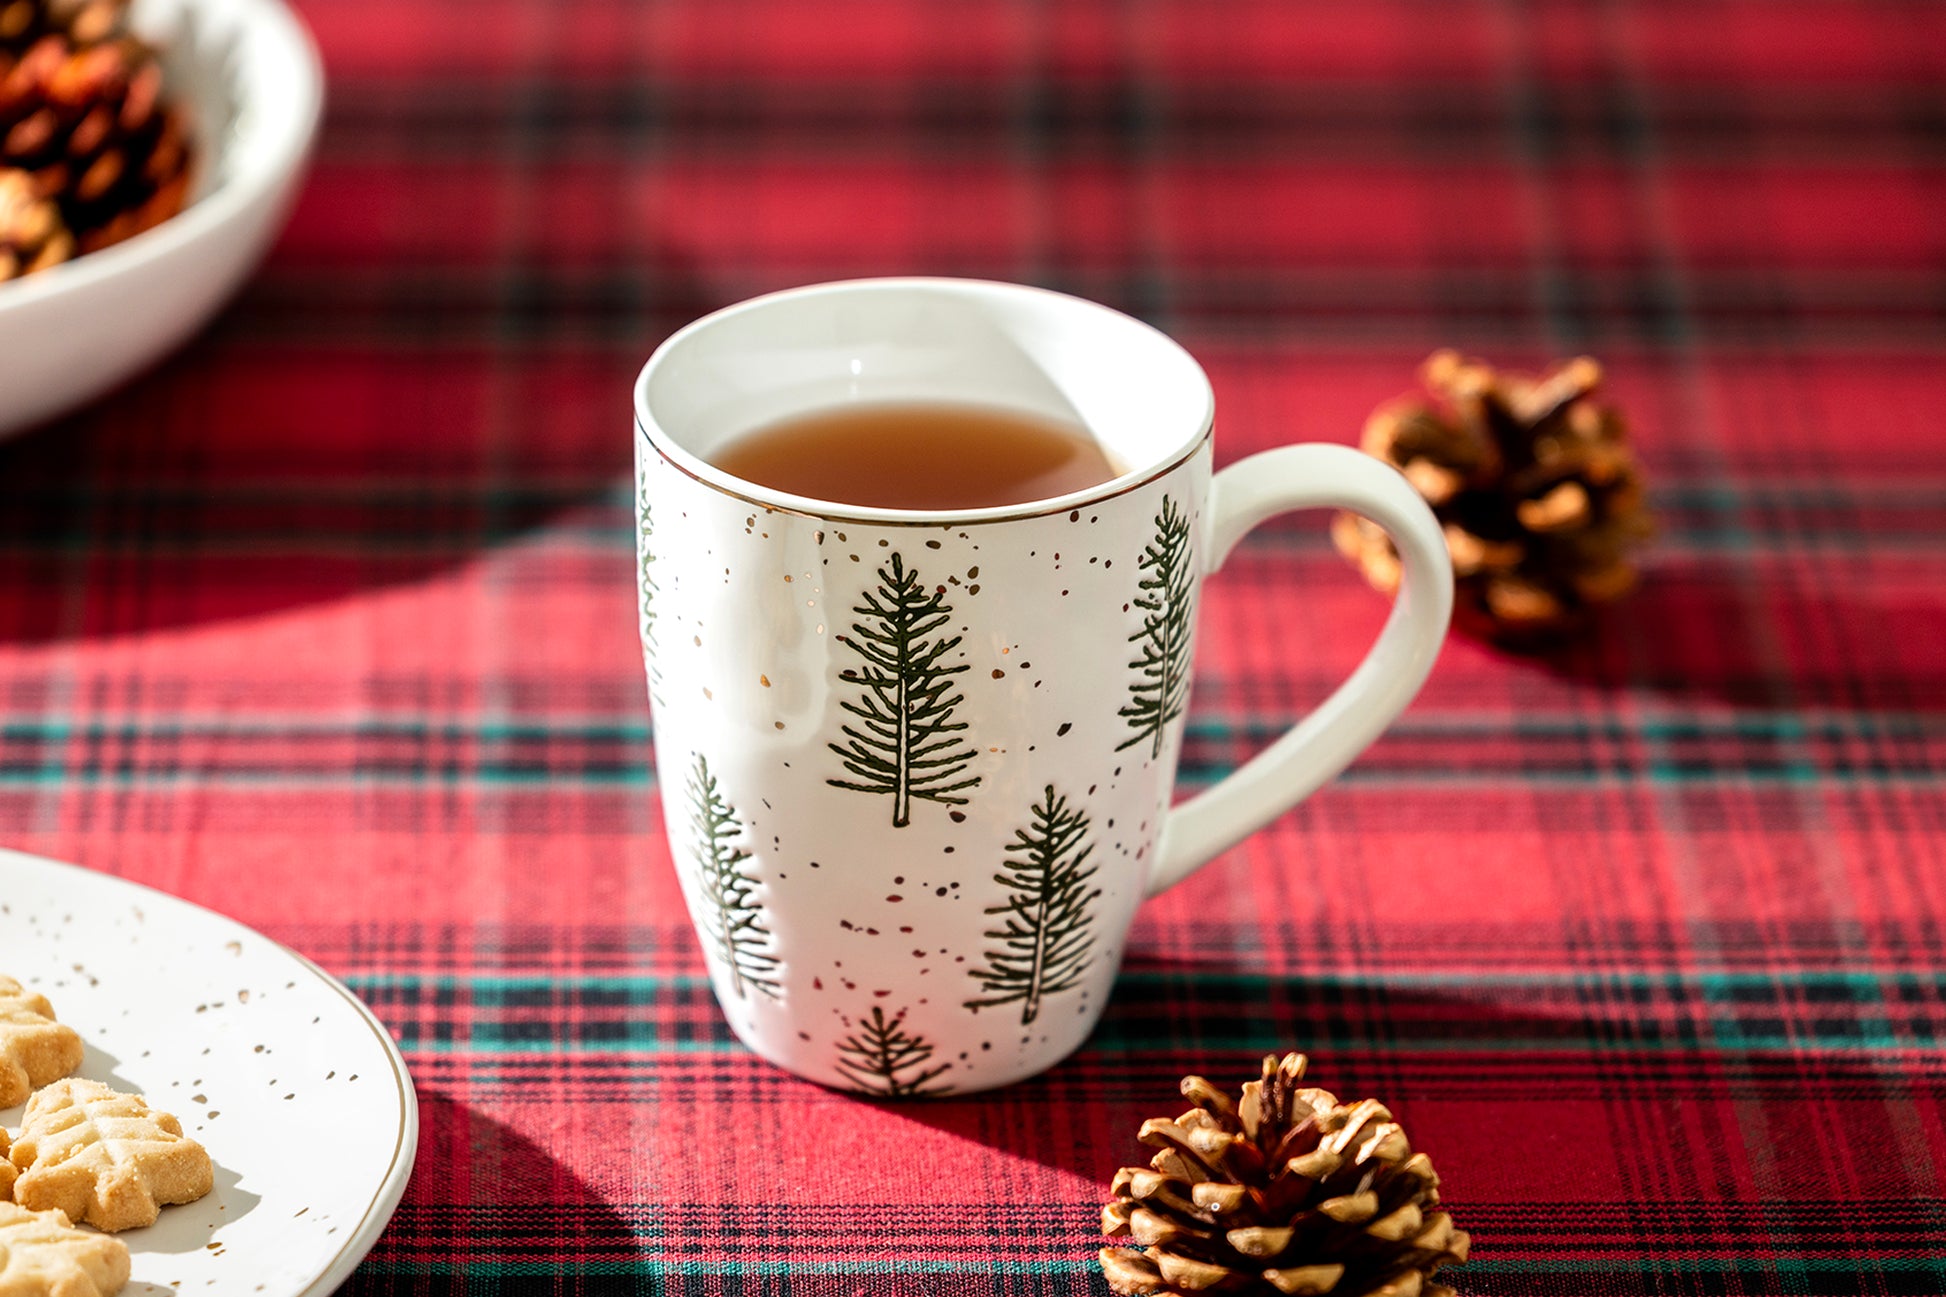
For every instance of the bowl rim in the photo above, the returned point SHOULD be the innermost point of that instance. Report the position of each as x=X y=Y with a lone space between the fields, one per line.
x=302 y=70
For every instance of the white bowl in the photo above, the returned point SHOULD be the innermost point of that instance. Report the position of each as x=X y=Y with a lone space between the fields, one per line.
x=250 y=76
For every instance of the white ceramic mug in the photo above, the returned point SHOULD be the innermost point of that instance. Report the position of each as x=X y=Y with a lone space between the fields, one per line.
x=916 y=766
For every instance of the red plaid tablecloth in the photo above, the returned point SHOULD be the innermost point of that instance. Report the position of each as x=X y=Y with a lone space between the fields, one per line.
x=328 y=622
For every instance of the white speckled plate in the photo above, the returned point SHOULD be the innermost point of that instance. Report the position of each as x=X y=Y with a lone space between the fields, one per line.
x=296 y=1090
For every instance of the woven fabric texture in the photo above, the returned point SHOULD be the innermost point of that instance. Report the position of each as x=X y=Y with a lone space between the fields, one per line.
x=328 y=621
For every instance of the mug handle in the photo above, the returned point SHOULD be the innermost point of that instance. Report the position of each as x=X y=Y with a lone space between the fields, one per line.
x=1249 y=492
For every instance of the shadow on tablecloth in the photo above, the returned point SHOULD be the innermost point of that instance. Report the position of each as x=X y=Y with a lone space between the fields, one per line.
x=317 y=445
x=487 y=1205
x=1784 y=638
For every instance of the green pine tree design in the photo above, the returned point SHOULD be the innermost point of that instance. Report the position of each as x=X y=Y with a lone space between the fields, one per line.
x=906 y=742
x=1158 y=693
x=733 y=918
x=882 y=1058
x=1047 y=936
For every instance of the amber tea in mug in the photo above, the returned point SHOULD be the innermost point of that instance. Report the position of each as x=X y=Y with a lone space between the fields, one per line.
x=920 y=455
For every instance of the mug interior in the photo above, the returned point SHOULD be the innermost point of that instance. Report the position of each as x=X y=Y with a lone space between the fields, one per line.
x=876 y=341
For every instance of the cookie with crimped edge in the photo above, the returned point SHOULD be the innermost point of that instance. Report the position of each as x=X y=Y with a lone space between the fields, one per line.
x=34 y=1049
x=42 y=1254
x=7 y=1172
x=105 y=1158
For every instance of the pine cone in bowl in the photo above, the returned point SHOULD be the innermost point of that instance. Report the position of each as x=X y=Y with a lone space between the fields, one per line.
x=82 y=111
x=82 y=22
x=32 y=235
x=246 y=76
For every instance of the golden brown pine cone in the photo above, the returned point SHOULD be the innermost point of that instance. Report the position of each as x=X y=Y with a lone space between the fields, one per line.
x=1534 y=484
x=89 y=123
x=1286 y=1192
x=32 y=236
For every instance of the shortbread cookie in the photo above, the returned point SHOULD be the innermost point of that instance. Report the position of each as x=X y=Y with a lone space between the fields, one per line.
x=34 y=1049
x=7 y=1171
x=104 y=1157
x=42 y=1254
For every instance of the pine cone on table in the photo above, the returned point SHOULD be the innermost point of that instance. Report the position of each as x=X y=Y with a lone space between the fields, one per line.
x=1534 y=484
x=82 y=112
x=32 y=236
x=1286 y=1192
